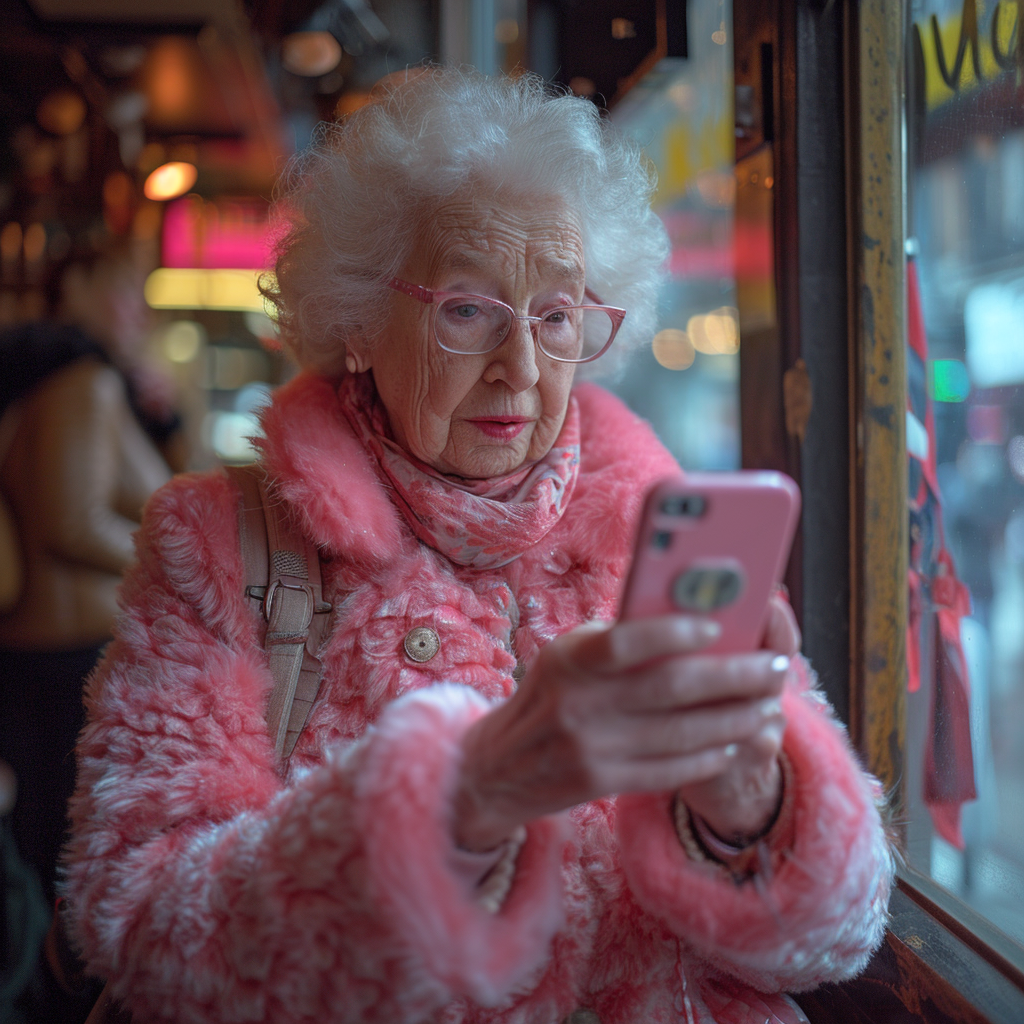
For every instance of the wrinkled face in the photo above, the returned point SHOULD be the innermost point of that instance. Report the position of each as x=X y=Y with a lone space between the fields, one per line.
x=481 y=415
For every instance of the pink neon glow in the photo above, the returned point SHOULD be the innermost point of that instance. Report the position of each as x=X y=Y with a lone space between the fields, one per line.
x=722 y=248
x=228 y=233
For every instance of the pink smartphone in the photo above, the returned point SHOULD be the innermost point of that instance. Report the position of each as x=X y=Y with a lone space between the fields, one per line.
x=714 y=545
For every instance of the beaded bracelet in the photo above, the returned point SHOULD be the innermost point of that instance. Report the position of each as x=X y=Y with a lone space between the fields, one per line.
x=496 y=884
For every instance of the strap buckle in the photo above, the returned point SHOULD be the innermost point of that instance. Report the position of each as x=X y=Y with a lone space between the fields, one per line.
x=292 y=583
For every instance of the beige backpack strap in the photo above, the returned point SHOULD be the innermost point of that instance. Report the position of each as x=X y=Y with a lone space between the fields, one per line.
x=282 y=576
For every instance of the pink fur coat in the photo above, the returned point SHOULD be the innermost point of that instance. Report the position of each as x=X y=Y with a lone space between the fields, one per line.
x=210 y=884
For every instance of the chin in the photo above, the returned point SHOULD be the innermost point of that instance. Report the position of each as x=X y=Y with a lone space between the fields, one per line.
x=482 y=458
x=488 y=463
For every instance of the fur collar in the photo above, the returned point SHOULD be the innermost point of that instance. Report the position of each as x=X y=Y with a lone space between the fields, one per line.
x=323 y=473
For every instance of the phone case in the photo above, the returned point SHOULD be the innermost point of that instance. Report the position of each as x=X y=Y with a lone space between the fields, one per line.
x=714 y=544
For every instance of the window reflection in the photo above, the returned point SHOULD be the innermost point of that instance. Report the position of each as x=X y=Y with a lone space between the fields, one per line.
x=965 y=430
x=686 y=384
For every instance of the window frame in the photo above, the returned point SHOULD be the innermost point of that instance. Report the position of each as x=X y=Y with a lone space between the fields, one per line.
x=837 y=142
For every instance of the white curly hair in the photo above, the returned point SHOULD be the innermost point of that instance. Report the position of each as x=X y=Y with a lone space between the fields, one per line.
x=358 y=196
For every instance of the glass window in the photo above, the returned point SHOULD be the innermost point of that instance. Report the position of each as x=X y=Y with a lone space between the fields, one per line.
x=965 y=439
x=681 y=112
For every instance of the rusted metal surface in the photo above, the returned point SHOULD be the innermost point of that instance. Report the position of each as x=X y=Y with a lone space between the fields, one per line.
x=878 y=685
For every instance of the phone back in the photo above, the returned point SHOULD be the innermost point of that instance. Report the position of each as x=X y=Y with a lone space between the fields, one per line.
x=714 y=544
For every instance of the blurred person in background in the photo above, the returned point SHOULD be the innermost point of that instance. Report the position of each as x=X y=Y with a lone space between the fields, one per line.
x=86 y=431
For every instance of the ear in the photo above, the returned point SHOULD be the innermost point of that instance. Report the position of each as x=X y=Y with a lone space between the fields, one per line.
x=357 y=356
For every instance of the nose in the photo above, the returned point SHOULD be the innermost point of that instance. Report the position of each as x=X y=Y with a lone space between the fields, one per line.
x=514 y=361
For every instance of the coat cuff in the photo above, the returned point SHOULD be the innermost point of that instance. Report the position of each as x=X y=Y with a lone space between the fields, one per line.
x=819 y=912
x=404 y=807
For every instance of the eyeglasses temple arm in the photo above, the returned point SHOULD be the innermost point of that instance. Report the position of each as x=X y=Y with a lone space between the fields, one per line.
x=416 y=291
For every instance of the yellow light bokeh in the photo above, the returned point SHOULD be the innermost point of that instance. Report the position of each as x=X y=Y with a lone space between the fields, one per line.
x=673 y=349
x=170 y=180
x=61 y=112
x=170 y=78
x=715 y=333
x=180 y=288
x=506 y=31
x=35 y=242
x=10 y=240
x=310 y=54
x=350 y=102
x=182 y=340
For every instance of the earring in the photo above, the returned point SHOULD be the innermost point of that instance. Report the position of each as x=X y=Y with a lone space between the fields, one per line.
x=350 y=363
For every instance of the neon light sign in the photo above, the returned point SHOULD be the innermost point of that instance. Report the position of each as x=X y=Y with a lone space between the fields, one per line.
x=221 y=234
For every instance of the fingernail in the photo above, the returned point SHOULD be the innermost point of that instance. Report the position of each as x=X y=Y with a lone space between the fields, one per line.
x=731 y=750
x=771 y=706
x=780 y=663
x=709 y=629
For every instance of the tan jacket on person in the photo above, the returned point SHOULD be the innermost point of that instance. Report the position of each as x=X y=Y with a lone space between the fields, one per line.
x=77 y=473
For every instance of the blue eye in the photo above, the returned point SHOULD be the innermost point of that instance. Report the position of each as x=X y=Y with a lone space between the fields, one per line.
x=465 y=311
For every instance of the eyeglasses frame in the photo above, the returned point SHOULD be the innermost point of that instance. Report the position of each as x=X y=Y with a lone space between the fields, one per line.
x=433 y=298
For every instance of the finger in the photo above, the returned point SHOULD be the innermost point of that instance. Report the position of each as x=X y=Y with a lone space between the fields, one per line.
x=679 y=733
x=672 y=773
x=767 y=741
x=688 y=682
x=628 y=645
x=782 y=632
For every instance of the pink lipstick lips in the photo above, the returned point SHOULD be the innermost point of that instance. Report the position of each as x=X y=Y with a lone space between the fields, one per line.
x=501 y=428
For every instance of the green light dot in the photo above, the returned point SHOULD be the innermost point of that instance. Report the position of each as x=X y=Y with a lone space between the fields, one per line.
x=950 y=380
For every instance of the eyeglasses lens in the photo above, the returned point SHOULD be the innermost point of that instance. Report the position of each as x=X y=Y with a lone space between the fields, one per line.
x=575 y=332
x=472 y=325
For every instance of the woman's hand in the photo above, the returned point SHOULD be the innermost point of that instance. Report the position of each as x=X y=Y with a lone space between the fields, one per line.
x=628 y=708
x=740 y=802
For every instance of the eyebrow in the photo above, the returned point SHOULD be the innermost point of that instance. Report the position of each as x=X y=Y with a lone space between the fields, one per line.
x=568 y=268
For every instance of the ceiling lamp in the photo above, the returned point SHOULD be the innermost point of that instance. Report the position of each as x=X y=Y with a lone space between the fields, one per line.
x=171 y=180
x=310 y=54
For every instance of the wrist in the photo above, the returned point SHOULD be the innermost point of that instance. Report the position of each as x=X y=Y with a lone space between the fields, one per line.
x=742 y=820
x=478 y=825
x=745 y=855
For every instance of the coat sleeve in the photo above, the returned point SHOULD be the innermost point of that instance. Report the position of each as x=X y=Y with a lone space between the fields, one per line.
x=197 y=879
x=821 y=911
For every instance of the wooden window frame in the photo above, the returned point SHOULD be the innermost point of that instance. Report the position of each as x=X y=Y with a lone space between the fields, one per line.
x=827 y=81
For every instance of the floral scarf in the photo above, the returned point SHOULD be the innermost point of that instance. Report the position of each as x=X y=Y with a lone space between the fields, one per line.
x=480 y=523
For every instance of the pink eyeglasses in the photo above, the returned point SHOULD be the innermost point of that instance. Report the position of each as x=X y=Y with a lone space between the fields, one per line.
x=471 y=325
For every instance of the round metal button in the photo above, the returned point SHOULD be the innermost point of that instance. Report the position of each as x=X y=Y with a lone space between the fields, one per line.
x=421 y=643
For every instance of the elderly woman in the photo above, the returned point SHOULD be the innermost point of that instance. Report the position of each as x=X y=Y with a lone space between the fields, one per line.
x=503 y=806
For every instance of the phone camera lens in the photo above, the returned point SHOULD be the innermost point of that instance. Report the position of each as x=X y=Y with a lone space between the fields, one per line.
x=691 y=505
x=660 y=540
